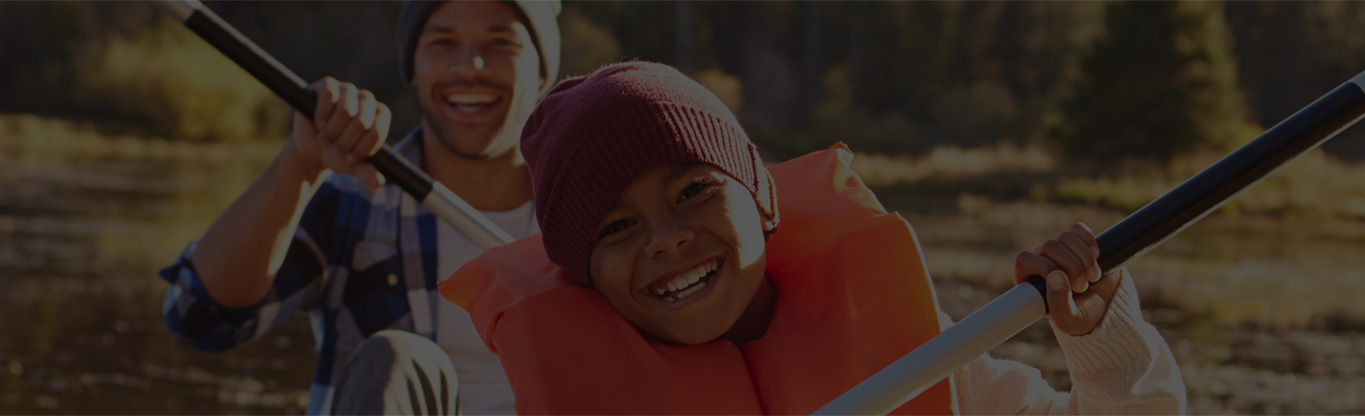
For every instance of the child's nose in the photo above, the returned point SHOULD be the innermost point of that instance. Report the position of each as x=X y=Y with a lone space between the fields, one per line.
x=668 y=240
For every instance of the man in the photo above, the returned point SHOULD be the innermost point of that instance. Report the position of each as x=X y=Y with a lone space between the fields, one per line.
x=361 y=257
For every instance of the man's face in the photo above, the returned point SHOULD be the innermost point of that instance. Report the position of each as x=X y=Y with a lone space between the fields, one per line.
x=477 y=76
x=681 y=253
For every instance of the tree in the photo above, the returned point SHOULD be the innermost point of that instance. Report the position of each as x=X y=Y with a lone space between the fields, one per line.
x=1290 y=53
x=1161 y=79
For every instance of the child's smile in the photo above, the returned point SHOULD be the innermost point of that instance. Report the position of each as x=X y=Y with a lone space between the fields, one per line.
x=680 y=254
x=680 y=289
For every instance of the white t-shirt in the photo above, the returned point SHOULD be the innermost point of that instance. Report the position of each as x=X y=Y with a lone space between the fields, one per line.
x=483 y=386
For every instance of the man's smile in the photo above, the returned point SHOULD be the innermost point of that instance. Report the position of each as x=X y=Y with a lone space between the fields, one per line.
x=471 y=105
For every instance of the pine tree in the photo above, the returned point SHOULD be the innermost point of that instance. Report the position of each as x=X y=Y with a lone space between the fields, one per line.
x=1161 y=79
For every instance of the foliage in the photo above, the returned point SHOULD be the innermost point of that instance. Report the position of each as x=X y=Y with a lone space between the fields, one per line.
x=178 y=86
x=839 y=118
x=1160 y=81
x=914 y=75
x=1290 y=53
x=36 y=75
x=587 y=46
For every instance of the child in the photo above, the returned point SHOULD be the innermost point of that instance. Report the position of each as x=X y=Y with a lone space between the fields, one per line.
x=676 y=274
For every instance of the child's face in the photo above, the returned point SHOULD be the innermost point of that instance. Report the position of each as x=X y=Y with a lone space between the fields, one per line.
x=681 y=253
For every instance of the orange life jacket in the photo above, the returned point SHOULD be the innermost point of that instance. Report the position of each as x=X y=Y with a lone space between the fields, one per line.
x=853 y=296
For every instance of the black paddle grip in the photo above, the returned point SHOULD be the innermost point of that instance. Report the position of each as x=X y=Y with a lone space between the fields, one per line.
x=293 y=90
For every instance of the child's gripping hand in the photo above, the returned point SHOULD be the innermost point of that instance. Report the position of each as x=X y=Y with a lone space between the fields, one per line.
x=1076 y=297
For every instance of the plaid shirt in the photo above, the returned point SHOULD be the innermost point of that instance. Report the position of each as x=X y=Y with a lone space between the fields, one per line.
x=360 y=262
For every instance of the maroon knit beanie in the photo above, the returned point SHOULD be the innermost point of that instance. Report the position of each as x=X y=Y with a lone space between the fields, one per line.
x=594 y=135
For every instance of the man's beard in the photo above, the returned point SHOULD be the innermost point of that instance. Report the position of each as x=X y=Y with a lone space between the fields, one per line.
x=446 y=139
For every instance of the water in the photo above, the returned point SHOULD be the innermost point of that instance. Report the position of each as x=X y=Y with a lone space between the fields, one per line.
x=81 y=239
x=1259 y=312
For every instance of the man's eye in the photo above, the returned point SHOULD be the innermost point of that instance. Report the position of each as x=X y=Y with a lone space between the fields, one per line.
x=504 y=43
x=696 y=188
x=614 y=227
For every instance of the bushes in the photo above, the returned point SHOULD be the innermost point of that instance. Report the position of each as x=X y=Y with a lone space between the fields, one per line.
x=176 y=85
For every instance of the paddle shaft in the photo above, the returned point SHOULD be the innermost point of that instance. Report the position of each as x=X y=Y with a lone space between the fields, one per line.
x=1132 y=237
x=288 y=86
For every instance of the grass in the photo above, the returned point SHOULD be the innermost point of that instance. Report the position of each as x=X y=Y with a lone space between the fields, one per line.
x=881 y=170
x=1280 y=255
x=1315 y=186
x=28 y=136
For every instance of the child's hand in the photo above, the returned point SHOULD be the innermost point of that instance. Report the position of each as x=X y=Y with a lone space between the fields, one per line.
x=1069 y=262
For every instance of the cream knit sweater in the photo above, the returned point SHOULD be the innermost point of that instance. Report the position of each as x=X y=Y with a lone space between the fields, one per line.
x=1123 y=367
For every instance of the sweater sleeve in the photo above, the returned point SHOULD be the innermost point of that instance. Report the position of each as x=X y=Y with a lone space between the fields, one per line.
x=1123 y=367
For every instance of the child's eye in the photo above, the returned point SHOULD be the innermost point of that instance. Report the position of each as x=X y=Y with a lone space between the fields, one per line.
x=696 y=188
x=614 y=227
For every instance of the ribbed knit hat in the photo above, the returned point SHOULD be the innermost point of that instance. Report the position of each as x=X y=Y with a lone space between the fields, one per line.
x=540 y=18
x=594 y=135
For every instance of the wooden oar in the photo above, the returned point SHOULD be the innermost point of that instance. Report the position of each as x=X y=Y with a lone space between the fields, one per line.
x=435 y=196
x=1137 y=234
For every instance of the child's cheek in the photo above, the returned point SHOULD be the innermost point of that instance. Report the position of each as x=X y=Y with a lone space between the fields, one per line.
x=610 y=270
x=746 y=224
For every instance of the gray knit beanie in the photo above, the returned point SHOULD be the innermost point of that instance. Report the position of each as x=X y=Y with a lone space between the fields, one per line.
x=539 y=15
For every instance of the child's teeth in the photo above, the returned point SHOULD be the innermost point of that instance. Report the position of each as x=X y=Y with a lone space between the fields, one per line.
x=690 y=291
x=687 y=283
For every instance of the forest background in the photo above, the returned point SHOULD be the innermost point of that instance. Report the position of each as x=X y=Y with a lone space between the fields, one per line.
x=989 y=125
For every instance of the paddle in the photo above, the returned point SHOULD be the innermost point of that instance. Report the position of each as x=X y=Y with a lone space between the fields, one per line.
x=1132 y=237
x=435 y=196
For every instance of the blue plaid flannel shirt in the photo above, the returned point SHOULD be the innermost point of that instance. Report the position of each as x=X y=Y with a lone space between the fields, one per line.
x=360 y=262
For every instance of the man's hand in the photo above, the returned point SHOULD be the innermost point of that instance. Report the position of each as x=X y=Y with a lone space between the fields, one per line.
x=348 y=127
x=1076 y=297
